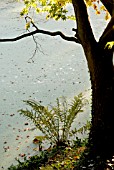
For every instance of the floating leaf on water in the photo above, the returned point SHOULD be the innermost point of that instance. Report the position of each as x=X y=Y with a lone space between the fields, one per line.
x=36 y=149
x=12 y=114
x=26 y=123
x=22 y=154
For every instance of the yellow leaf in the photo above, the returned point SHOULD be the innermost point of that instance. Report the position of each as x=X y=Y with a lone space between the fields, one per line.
x=109 y=45
x=27 y=26
x=97 y=12
x=102 y=8
x=107 y=16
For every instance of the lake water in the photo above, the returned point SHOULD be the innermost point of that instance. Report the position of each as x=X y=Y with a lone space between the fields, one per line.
x=59 y=69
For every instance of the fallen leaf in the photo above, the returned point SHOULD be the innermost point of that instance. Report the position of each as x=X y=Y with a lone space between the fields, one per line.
x=5 y=142
x=36 y=149
x=26 y=123
x=76 y=157
x=22 y=154
x=35 y=141
x=12 y=114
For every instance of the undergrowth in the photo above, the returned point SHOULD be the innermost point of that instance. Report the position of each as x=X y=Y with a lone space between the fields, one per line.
x=56 y=124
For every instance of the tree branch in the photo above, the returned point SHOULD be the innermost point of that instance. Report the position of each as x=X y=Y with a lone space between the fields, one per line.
x=108 y=34
x=108 y=5
x=37 y=31
x=84 y=30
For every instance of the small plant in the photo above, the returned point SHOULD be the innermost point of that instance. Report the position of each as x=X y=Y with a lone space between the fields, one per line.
x=66 y=159
x=55 y=122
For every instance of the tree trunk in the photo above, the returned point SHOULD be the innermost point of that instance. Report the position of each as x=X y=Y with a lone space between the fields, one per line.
x=102 y=129
x=100 y=66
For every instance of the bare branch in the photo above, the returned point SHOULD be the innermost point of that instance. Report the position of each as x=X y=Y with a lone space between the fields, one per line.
x=39 y=31
x=37 y=48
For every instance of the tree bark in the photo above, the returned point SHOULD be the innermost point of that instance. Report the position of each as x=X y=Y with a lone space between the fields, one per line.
x=100 y=66
x=102 y=129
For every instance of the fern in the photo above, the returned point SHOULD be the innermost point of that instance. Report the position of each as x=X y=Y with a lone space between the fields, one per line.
x=55 y=123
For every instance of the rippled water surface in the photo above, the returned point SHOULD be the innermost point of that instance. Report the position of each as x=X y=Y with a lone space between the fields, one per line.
x=58 y=68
